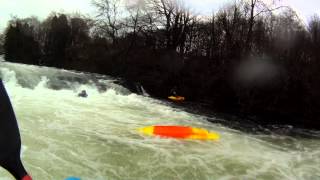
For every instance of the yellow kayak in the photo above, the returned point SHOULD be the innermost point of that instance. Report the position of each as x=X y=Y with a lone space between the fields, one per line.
x=180 y=132
x=176 y=98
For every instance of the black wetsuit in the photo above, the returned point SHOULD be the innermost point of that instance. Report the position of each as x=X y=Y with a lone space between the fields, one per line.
x=10 y=142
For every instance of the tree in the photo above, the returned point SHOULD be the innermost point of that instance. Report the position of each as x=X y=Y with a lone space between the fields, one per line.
x=20 y=44
x=256 y=8
x=314 y=30
x=76 y=49
x=176 y=20
x=11 y=43
x=108 y=18
x=133 y=22
x=79 y=31
x=57 y=40
x=232 y=24
x=1 y=43
x=285 y=30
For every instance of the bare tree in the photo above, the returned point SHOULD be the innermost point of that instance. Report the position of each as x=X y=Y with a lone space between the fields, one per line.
x=134 y=21
x=232 y=23
x=314 y=29
x=256 y=8
x=175 y=19
x=108 y=18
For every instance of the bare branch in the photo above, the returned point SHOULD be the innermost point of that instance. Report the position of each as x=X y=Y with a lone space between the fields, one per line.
x=270 y=10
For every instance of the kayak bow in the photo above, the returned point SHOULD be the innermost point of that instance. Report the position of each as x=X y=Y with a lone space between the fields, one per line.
x=179 y=132
x=176 y=98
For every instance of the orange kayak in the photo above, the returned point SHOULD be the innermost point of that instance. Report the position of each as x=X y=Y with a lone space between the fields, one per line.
x=180 y=132
x=176 y=98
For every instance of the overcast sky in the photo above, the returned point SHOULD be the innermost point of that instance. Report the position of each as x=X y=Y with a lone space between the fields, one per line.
x=41 y=8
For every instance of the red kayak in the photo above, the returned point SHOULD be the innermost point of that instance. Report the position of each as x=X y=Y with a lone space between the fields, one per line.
x=180 y=132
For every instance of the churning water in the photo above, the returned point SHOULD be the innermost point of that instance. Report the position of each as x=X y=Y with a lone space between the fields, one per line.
x=96 y=138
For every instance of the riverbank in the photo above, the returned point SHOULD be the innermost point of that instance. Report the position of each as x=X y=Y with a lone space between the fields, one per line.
x=205 y=84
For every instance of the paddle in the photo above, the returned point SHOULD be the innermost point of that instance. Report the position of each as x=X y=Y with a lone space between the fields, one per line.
x=10 y=142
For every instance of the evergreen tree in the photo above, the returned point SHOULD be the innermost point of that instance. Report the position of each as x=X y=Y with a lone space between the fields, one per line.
x=11 y=43
x=20 y=44
x=57 y=41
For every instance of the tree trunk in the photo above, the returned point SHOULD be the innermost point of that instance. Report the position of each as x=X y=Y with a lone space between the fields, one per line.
x=251 y=23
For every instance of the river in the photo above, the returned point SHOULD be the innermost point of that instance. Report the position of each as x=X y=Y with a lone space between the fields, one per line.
x=96 y=138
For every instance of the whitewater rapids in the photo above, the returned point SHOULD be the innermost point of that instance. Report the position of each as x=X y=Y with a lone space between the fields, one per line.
x=96 y=138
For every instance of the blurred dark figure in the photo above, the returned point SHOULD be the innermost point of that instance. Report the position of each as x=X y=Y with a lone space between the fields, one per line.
x=173 y=91
x=83 y=94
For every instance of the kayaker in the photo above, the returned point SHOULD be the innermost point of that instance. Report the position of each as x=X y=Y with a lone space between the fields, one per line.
x=83 y=94
x=173 y=91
